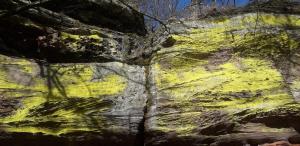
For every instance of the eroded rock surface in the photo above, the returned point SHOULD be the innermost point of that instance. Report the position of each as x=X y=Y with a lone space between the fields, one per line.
x=226 y=81
x=221 y=81
x=103 y=13
x=61 y=104
x=63 y=30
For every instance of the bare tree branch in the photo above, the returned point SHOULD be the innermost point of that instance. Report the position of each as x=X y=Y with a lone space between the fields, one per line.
x=144 y=14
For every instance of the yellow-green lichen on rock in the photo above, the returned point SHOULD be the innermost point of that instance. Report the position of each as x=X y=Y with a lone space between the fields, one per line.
x=59 y=99
x=76 y=37
x=77 y=81
x=227 y=66
x=204 y=41
x=296 y=84
x=74 y=42
x=214 y=36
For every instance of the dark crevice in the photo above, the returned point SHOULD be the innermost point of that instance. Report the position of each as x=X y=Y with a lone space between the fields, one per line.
x=141 y=136
x=142 y=128
x=141 y=131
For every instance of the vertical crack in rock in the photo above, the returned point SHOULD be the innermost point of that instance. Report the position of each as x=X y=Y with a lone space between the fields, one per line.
x=141 y=129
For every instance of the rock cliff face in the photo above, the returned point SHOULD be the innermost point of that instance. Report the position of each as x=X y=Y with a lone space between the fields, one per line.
x=58 y=32
x=64 y=77
x=228 y=81
x=86 y=103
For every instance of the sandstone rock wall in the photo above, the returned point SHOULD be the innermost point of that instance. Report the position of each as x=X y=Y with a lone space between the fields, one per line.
x=79 y=102
x=227 y=81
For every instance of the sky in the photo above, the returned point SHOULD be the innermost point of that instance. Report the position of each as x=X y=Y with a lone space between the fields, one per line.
x=184 y=3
